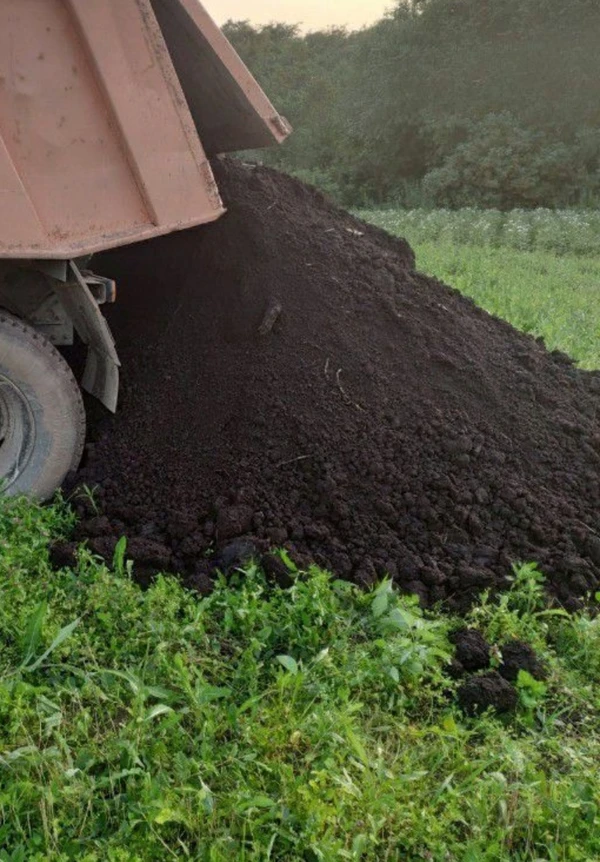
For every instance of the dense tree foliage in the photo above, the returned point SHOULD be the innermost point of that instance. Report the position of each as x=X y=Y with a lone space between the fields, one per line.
x=489 y=102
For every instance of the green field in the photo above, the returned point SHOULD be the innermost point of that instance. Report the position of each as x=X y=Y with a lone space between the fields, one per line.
x=539 y=270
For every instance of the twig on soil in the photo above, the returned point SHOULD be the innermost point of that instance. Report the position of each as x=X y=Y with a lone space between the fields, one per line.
x=586 y=526
x=345 y=395
x=294 y=460
x=326 y=369
x=270 y=319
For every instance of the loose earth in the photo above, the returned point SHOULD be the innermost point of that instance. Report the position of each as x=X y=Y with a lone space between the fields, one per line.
x=290 y=379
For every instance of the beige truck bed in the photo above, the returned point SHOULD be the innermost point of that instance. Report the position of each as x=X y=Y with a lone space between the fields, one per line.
x=109 y=110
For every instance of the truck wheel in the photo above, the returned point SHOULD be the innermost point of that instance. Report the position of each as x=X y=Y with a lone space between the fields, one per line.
x=42 y=419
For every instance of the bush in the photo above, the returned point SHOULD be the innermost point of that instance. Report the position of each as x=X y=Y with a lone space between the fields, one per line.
x=504 y=165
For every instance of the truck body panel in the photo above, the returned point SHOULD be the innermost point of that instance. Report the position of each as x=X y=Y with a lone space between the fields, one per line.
x=103 y=108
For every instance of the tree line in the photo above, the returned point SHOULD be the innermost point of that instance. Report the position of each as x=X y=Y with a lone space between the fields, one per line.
x=443 y=102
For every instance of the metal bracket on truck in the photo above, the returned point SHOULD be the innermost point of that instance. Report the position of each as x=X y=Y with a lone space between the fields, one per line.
x=101 y=375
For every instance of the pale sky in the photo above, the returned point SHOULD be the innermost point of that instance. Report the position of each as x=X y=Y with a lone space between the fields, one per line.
x=312 y=14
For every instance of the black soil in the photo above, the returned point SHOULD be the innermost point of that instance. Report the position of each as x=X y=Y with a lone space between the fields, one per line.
x=472 y=652
x=289 y=377
x=517 y=656
x=490 y=690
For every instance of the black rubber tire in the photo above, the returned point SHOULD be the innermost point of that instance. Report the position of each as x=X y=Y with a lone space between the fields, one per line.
x=42 y=418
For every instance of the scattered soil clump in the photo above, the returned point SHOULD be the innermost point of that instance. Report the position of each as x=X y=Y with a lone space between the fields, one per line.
x=517 y=656
x=472 y=650
x=488 y=690
x=288 y=377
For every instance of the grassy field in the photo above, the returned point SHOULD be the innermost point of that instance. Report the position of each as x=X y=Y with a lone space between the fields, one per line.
x=539 y=270
x=314 y=723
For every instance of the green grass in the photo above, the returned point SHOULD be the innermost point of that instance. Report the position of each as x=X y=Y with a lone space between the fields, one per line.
x=316 y=723
x=539 y=270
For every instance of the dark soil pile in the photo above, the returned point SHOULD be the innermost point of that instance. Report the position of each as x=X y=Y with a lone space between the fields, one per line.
x=289 y=377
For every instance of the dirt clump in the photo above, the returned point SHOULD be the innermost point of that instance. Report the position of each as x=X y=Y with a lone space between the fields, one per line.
x=289 y=378
x=516 y=656
x=472 y=651
x=490 y=690
x=63 y=555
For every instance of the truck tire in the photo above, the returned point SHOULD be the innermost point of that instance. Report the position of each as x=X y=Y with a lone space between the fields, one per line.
x=42 y=418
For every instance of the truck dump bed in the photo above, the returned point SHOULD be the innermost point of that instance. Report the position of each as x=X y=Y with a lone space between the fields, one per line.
x=108 y=109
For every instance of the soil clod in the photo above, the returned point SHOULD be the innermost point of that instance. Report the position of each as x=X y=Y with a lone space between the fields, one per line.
x=472 y=649
x=479 y=693
x=517 y=656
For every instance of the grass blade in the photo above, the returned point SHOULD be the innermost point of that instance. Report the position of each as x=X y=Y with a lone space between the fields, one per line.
x=60 y=638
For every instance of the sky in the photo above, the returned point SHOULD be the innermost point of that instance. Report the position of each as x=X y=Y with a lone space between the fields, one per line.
x=312 y=14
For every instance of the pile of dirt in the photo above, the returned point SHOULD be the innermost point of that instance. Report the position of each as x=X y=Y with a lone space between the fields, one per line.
x=288 y=377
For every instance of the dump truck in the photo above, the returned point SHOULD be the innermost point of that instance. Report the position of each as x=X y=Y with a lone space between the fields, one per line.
x=109 y=113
